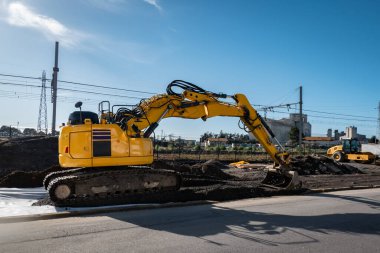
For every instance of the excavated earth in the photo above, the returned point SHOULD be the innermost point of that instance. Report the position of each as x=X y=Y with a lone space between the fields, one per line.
x=25 y=162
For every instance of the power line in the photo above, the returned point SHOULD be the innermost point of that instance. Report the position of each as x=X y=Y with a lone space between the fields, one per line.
x=73 y=90
x=264 y=107
x=340 y=114
x=25 y=77
x=82 y=84
x=325 y=117
x=99 y=93
x=21 y=84
x=289 y=107
x=106 y=87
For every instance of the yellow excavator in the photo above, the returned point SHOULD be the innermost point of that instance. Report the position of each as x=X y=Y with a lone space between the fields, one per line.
x=107 y=155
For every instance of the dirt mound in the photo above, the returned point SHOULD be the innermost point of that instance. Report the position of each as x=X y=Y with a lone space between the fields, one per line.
x=211 y=168
x=28 y=154
x=315 y=165
x=173 y=165
x=26 y=179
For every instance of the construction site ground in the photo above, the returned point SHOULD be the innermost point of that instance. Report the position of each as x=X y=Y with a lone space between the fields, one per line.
x=24 y=163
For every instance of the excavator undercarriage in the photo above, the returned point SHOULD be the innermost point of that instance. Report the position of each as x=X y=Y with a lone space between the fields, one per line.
x=91 y=186
x=107 y=159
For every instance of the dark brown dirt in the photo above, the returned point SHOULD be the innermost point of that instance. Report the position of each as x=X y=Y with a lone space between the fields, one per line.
x=26 y=179
x=317 y=165
x=28 y=154
x=212 y=168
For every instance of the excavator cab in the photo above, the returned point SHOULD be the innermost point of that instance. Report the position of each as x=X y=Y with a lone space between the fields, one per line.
x=78 y=117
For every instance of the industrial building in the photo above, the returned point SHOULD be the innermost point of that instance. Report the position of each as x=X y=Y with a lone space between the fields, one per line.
x=281 y=127
x=350 y=133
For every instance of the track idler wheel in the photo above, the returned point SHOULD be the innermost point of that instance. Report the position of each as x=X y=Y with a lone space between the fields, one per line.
x=60 y=190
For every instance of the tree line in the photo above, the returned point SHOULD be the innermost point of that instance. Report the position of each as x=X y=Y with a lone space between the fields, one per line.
x=10 y=131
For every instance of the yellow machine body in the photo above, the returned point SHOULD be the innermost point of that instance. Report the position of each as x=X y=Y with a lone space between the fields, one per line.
x=107 y=144
x=98 y=145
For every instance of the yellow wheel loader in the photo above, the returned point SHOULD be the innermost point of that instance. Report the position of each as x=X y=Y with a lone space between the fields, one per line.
x=107 y=156
x=350 y=151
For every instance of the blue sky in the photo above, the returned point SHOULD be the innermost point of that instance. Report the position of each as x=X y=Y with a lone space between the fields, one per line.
x=264 y=49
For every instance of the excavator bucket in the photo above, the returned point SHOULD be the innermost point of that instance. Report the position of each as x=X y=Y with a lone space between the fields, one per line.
x=280 y=179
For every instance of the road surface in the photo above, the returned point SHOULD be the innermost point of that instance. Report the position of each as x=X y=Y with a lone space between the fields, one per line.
x=346 y=221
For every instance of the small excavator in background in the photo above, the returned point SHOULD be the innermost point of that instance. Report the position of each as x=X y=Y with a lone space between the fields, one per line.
x=106 y=156
x=350 y=150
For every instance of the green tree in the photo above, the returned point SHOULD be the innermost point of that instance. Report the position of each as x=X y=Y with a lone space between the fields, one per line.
x=293 y=135
x=373 y=139
x=197 y=147
x=7 y=130
x=30 y=131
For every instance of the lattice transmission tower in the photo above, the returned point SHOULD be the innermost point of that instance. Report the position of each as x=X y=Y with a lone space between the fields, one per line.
x=42 y=114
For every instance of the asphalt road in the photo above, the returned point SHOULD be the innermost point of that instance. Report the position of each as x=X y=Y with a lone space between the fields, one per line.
x=346 y=221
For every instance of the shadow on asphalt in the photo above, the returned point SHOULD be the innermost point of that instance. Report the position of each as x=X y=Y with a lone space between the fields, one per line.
x=369 y=202
x=207 y=220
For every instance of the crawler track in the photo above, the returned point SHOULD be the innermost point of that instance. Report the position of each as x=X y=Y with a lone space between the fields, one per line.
x=104 y=187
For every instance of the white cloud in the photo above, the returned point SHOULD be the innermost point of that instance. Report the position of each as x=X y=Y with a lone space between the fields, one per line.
x=20 y=15
x=154 y=3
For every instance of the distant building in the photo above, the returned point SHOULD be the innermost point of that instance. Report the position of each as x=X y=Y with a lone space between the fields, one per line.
x=352 y=133
x=338 y=134
x=320 y=141
x=329 y=133
x=212 y=142
x=281 y=128
x=189 y=142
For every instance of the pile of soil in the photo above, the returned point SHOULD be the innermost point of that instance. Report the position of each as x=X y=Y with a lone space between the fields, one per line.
x=26 y=179
x=211 y=168
x=316 y=165
x=28 y=154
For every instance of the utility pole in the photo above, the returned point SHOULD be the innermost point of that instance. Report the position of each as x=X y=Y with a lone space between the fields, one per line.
x=378 y=123
x=300 y=130
x=54 y=82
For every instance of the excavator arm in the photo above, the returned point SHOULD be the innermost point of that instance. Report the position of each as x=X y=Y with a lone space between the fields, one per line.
x=198 y=103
